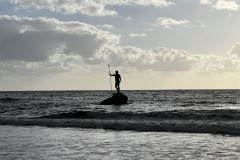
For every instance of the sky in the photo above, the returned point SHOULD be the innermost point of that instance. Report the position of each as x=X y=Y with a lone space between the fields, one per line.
x=154 y=44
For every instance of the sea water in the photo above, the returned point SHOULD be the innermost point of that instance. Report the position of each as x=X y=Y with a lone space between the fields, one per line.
x=76 y=143
x=171 y=124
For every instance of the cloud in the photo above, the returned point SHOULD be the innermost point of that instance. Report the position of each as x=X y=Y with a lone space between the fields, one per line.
x=167 y=22
x=221 y=4
x=226 y=5
x=129 y=18
x=86 y=7
x=41 y=46
x=36 y=39
x=106 y=26
x=138 y=35
x=163 y=59
x=156 y=3
x=205 y=2
x=235 y=50
x=57 y=63
x=210 y=64
x=159 y=59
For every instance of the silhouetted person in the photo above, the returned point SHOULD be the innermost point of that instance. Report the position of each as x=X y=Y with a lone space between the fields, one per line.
x=117 y=80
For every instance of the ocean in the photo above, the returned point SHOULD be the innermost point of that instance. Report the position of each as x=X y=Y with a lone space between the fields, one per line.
x=155 y=124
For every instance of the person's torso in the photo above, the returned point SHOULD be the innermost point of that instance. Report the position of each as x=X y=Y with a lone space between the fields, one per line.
x=117 y=78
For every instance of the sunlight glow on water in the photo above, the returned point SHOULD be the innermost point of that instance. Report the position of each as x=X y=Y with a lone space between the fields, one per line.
x=71 y=143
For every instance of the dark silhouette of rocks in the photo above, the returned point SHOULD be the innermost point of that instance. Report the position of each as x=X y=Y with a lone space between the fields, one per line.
x=116 y=99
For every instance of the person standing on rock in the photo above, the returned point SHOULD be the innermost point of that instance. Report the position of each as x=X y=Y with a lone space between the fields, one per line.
x=117 y=80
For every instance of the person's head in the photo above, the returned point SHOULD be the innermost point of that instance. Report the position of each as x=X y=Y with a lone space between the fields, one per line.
x=116 y=72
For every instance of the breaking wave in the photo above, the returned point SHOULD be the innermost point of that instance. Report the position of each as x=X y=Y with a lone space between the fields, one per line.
x=192 y=121
x=186 y=114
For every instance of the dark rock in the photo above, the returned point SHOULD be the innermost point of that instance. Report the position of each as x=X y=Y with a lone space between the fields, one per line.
x=117 y=99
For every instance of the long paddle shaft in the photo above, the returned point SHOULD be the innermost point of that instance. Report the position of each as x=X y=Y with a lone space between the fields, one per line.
x=110 y=77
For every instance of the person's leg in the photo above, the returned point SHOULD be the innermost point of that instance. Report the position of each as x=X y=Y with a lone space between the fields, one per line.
x=117 y=87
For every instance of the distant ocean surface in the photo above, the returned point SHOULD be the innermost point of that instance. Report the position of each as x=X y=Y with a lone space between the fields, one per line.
x=172 y=124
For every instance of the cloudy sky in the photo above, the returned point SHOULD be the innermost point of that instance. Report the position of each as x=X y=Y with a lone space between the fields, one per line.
x=154 y=44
